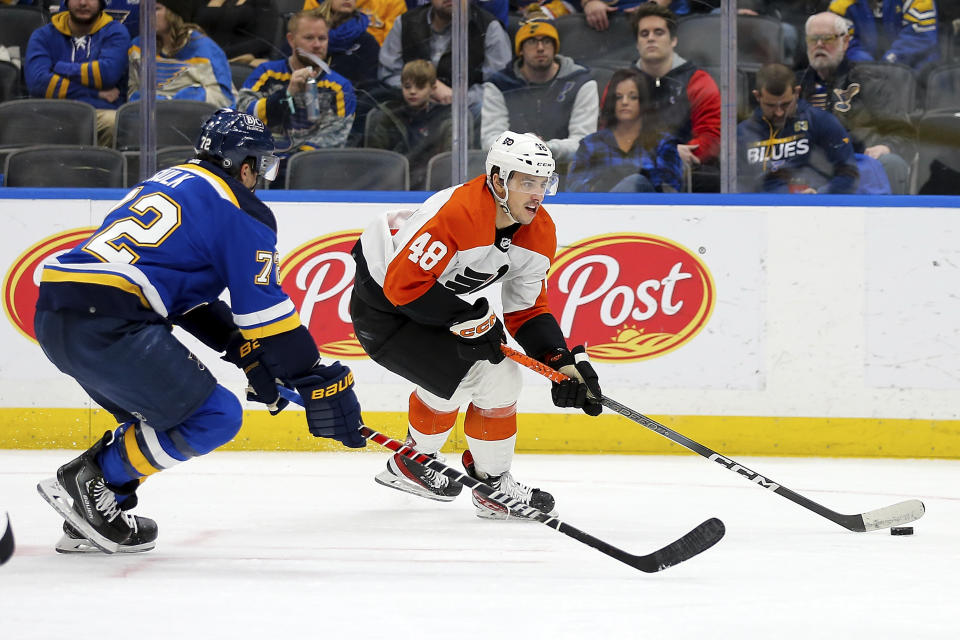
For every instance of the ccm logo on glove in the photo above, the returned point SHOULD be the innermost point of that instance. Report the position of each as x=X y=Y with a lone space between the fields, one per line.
x=475 y=330
x=333 y=389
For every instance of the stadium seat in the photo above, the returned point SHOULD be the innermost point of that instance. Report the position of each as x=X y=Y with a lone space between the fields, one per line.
x=17 y=23
x=65 y=166
x=178 y=123
x=439 y=170
x=166 y=158
x=10 y=87
x=614 y=48
x=889 y=89
x=938 y=141
x=349 y=168
x=602 y=76
x=745 y=80
x=943 y=88
x=759 y=40
x=41 y=121
x=239 y=73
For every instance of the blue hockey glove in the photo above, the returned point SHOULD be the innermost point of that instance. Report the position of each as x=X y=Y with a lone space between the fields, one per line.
x=479 y=336
x=333 y=410
x=582 y=389
x=262 y=387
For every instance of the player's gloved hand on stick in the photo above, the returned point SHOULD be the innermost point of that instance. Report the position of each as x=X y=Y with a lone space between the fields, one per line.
x=333 y=410
x=262 y=386
x=582 y=389
x=479 y=337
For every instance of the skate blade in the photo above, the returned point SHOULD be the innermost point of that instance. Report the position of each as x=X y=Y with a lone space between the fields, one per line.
x=387 y=479
x=69 y=545
x=54 y=493
x=490 y=510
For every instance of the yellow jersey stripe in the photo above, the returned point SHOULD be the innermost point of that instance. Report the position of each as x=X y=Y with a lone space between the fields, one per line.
x=51 y=86
x=287 y=324
x=338 y=90
x=63 y=89
x=106 y=279
x=214 y=180
x=137 y=460
x=262 y=110
x=97 y=80
x=84 y=80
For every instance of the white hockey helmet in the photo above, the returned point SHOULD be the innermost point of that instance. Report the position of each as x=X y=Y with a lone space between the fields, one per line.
x=524 y=152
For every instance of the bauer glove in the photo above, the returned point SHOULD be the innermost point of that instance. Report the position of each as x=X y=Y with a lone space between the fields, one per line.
x=333 y=410
x=582 y=388
x=262 y=386
x=480 y=336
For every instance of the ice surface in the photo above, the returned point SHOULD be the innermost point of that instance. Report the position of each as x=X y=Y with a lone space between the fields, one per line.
x=306 y=545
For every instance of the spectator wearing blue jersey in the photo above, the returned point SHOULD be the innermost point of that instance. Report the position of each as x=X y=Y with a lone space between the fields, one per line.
x=352 y=50
x=80 y=55
x=306 y=104
x=901 y=31
x=127 y=13
x=104 y=317
x=789 y=146
x=626 y=154
x=190 y=65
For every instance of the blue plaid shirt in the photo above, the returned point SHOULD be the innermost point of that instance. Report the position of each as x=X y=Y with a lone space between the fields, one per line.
x=600 y=161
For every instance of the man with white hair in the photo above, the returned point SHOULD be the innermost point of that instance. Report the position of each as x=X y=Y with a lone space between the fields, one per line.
x=857 y=97
x=415 y=312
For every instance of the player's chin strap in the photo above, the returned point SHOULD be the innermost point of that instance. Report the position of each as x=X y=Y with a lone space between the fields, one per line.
x=502 y=202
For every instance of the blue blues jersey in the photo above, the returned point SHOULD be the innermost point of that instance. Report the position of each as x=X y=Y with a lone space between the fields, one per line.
x=176 y=241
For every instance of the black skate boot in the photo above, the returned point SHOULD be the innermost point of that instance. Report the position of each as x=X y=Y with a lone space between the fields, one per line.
x=487 y=508
x=143 y=538
x=404 y=474
x=80 y=494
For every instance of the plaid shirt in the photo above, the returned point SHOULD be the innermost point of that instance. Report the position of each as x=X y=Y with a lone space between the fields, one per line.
x=599 y=160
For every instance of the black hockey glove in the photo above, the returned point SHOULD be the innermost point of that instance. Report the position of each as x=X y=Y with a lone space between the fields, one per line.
x=582 y=389
x=333 y=410
x=479 y=336
x=262 y=386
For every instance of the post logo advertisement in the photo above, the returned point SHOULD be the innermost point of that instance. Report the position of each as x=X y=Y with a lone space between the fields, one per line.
x=630 y=296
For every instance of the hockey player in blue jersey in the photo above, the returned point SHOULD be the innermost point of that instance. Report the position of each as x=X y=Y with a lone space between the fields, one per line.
x=162 y=257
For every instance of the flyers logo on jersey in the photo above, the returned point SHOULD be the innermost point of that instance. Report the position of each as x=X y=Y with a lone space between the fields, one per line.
x=21 y=284
x=318 y=277
x=630 y=296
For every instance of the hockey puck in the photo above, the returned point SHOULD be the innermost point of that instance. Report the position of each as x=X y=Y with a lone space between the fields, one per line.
x=901 y=531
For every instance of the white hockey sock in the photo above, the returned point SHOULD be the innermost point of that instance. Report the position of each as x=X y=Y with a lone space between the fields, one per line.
x=428 y=442
x=492 y=457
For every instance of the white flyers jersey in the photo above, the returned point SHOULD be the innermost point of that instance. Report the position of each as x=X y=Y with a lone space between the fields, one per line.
x=452 y=239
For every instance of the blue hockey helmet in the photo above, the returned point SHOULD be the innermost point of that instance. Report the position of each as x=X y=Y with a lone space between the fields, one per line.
x=229 y=137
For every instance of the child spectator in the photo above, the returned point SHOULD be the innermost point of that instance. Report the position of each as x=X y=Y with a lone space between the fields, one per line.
x=627 y=154
x=80 y=55
x=415 y=126
x=190 y=66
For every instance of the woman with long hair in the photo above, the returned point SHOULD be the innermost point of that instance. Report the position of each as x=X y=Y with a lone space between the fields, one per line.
x=628 y=152
x=190 y=66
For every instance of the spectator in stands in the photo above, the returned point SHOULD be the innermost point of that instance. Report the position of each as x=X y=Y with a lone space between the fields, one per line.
x=424 y=33
x=190 y=66
x=685 y=99
x=541 y=92
x=127 y=13
x=80 y=55
x=244 y=29
x=901 y=31
x=352 y=50
x=415 y=126
x=833 y=83
x=789 y=146
x=543 y=9
x=382 y=14
x=499 y=8
x=626 y=154
x=305 y=103
x=596 y=12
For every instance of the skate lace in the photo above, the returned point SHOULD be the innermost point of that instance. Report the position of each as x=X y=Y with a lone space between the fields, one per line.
x=519 y=491
x=107 y=502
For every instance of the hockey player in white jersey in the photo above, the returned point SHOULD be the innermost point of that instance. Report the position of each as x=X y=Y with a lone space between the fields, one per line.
x=414 y=271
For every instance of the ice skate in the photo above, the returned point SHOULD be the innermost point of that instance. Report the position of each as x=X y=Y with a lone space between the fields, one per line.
x=404 y=474
x=80 y=494
x=488 y=509
x=143 y=538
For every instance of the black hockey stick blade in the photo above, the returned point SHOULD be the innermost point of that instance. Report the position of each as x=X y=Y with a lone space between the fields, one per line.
x=6 y=538
x=883 y=518
x=701 y=538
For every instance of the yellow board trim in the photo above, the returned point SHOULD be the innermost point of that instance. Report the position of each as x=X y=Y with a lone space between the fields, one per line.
x=26 y=428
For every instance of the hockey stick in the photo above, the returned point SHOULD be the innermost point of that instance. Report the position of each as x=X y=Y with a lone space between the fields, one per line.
x=701 y=538
x=883 y=518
